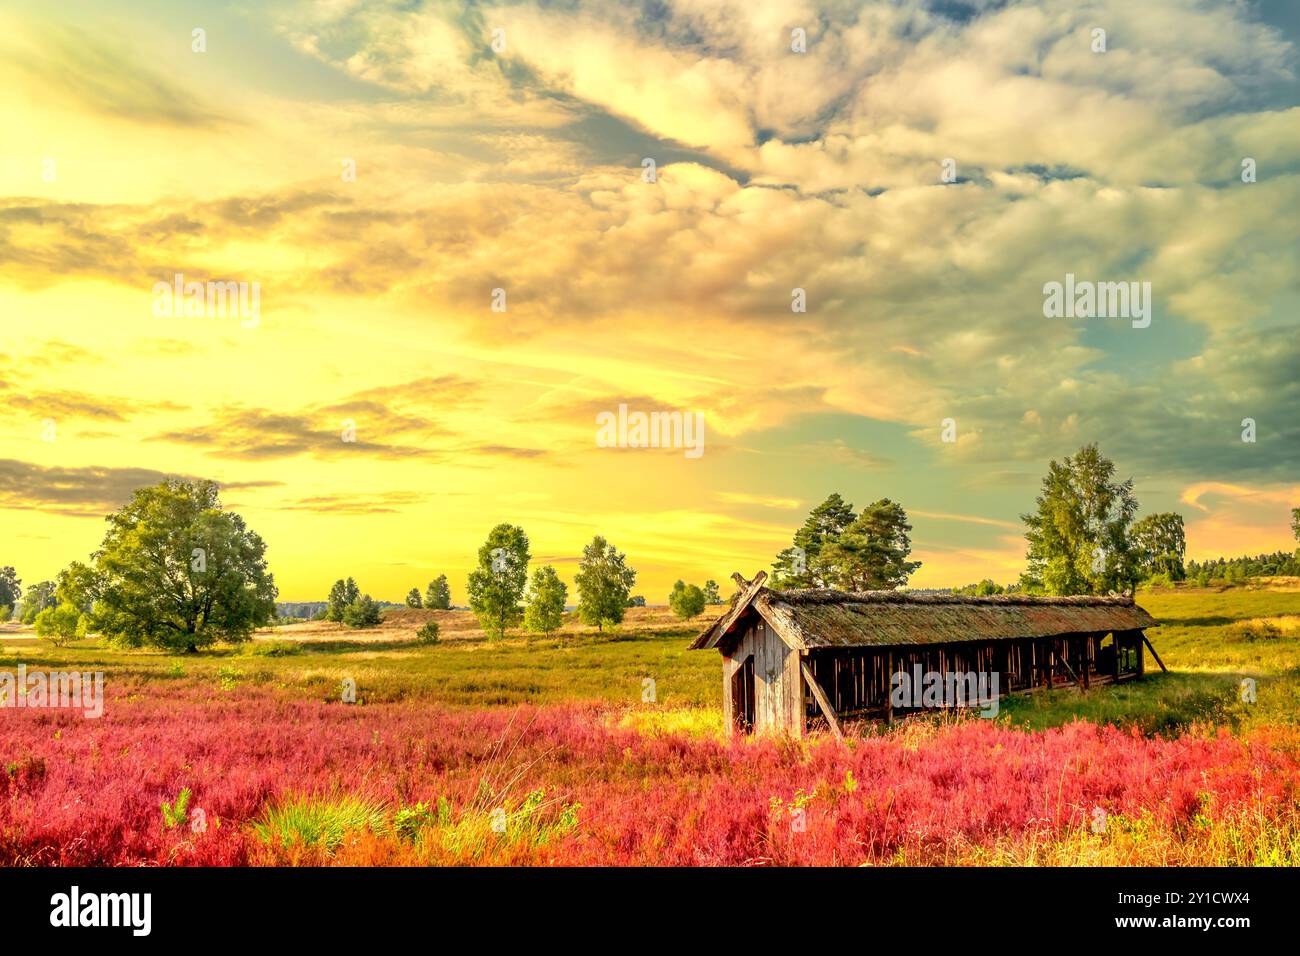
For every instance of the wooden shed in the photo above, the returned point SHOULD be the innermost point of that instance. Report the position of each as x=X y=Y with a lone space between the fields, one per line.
x=793 y=659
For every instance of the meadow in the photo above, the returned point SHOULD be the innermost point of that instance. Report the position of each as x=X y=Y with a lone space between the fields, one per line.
x=546 y=751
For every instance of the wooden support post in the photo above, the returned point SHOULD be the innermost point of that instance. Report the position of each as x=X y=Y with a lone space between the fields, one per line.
x=820 y=696
x=889 y=689
x=1153 y=652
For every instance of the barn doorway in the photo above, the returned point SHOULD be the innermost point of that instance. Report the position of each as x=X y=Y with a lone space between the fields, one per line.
x=742 y=696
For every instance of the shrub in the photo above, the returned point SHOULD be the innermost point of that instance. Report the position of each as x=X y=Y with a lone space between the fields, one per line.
x=1255 y=630
x=60 y=624
x=686 y=600
x=428 y=633
x=275 y=649
x=363 y=612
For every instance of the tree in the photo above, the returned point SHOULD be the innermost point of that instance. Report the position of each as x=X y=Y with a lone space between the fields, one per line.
x=60 y=623
x=413 y=598
x=546 y=600
x=341 y=595
x=497 y=584
x=983 y=589
x=1295 y=530
x=11 y=590
x=176 y=571
x=363 y=612
x=711 y=593
x=870 y=554
x=1077 y=537
x=39 y=597
x=1159 y=545
x=636 y=600
x=604 y=582
x=800 y=566
x=686 y=600
x=428 y=633
x=438 y=595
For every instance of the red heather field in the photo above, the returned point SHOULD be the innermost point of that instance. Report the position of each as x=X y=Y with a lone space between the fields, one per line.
x=88 y=792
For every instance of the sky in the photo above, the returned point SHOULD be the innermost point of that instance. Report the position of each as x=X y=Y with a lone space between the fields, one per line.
x=921 y=170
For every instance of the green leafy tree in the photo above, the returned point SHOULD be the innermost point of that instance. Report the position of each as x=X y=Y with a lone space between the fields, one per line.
x=343 y=593
x=11 y=592
x=438 y=594
x=1159 y=545
x=39 y=596
x=604 y=582
x=497 y=585
x=870 y=553
x=428 y=633
x=413 y=598
x=546 y=599
x=1078 y=541
x=801 y=564
x=636 y=600
x=711 y=593
x=176 y=571
x=363 y=612
x=686 y=600
x=1295 y=530
x=60 y=623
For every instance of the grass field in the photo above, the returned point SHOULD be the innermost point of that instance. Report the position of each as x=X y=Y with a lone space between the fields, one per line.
x=544 y=751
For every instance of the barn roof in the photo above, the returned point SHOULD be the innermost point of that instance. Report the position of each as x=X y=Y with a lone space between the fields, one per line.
x=808 y=619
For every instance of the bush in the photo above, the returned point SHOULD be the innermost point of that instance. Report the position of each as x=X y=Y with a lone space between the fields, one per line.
x=60 y=624
x=363 y=612
x=686 y=600
x=428 y=633
x=1253 y=631
x=275 y=649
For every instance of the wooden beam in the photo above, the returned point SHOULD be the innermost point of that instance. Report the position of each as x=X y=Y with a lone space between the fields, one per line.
x=1153 y=652
x=820 y=696
x=740 y=580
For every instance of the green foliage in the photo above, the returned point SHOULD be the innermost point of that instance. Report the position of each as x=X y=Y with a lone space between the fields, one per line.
x=800 y=566
x=711 y=593
x=11 y=589
x=1159 y=546
x=984 y=588
x=636 y=600
x=413 y=598
x=342 y=594
x=546 y=600
x=275 y=649
x=39 y=596
x=604 y=582
x=497 y=585
x=1295 y=525
x=438 y=594
x=363 y=612
x=428 y=633
x=176 y=813
x=686 y=600
x=176 y=571
x=319 y=821
x=1078 y=540
x=870 y=554
x=60 y=624
x=837 y=549
x=1221 y=570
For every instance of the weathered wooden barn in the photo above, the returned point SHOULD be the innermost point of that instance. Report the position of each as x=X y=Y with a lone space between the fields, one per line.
x=792 y=659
